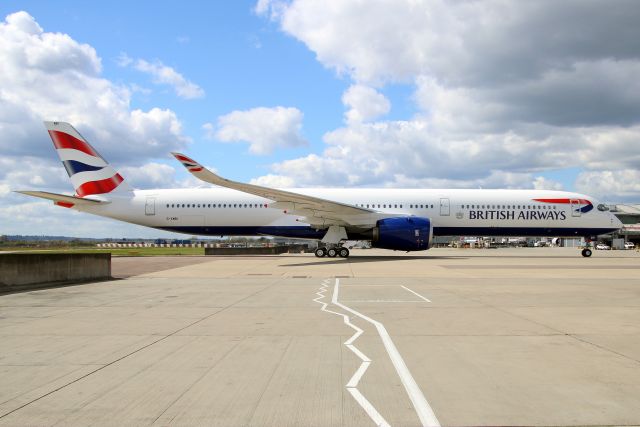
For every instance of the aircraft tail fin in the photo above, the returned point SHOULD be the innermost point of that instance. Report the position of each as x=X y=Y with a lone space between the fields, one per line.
x=89 y=171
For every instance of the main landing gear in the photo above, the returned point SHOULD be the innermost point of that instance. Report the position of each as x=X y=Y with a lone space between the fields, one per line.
x=332 y=252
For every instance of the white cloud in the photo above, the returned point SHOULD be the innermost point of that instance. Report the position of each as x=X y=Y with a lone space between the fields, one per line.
x=265 y=129
x=503 y=90
x=365 y=104
x=620 y=184
x=163 y=74
x=273 y=181
x=150 y=175
x=50 y=76
x=542 y=183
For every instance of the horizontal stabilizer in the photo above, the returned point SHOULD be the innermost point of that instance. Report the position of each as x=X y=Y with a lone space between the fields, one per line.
x=63 y=200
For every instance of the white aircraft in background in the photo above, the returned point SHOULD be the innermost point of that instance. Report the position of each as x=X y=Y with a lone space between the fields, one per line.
x=398 y=219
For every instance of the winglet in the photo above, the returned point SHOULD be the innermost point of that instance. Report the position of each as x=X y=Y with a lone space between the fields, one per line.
x=190 y=164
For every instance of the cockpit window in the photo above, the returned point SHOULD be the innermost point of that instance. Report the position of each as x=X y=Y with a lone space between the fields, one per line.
x=603 y=208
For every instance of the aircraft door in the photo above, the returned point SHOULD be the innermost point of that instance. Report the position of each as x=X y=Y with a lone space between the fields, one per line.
x=575 y=207
x=444 y=207
x=150 y=206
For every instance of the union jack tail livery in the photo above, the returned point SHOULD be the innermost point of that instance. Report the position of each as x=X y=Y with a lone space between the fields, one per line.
x=190 y=164
x=89 y=172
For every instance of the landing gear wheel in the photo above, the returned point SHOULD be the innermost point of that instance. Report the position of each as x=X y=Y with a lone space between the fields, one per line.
x=343 y=252
x=332 y=252
x=321 y=252
x=586 y=253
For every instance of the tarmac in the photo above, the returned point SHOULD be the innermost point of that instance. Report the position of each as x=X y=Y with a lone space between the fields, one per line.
x=451 y=337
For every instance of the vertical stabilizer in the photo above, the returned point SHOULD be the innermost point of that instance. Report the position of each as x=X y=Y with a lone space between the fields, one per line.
x=88 y=171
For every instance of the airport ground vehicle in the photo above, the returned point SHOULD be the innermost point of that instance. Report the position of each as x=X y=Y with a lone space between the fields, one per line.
x=396 y=219
x=603 y=247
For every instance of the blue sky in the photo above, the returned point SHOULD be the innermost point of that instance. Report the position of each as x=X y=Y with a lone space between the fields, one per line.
x=240 y=60
x=393 y=93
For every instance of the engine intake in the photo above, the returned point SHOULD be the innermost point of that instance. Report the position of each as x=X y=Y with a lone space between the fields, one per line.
x=403 y=234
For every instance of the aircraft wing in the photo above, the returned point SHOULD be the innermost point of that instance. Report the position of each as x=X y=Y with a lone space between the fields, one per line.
x=62 y=199
x=317 y=211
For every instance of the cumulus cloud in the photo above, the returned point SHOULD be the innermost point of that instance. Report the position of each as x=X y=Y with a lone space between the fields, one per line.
x=273 y=181
x=503 y=90
x=265 y=129
x=542 y=183
x=365 y=104
x=51 y=76
x=623 y=183
x=163 y=74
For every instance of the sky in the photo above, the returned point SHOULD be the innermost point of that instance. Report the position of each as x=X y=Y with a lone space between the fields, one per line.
x=338 y=93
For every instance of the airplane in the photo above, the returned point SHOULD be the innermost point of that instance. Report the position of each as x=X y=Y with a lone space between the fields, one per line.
x=395 y=219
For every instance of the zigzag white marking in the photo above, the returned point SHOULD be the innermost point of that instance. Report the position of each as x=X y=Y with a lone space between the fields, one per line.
x=420 y=404
x=355 y=379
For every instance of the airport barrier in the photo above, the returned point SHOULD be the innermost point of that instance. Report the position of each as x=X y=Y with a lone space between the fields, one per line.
x=25 y=271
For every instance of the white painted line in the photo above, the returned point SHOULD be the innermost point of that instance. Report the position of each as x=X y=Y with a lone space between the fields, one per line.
x=368 y=407
x=355 y=379
x=382 y=300
x=420 y=404
x=416 y=294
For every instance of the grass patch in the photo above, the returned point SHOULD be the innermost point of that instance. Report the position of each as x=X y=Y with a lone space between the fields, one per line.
x=117 y=251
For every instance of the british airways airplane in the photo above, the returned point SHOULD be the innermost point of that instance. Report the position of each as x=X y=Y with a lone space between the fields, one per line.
x=397 y=219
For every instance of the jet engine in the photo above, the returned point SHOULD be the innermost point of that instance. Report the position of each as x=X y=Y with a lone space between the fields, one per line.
x=403 y=234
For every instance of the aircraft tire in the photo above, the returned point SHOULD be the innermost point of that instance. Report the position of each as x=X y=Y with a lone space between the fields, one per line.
x=332 y=252
x=320 y=252
x=343 y=252
x=586 y=253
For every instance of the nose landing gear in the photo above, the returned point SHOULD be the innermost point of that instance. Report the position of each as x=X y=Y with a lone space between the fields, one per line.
x=586 y=252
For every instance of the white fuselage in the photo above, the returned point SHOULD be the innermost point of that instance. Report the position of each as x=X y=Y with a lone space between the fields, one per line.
x=221 y=211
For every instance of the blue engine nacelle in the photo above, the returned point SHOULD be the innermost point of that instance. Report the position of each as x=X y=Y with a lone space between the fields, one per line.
x=403 y=234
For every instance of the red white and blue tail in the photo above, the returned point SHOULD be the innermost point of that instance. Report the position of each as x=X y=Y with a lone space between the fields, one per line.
x=89 y=172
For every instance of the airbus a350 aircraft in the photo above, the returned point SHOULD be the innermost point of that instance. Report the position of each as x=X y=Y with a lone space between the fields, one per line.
x=395 y=219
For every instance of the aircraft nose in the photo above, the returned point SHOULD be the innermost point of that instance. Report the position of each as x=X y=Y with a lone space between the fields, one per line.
x=615 y=221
